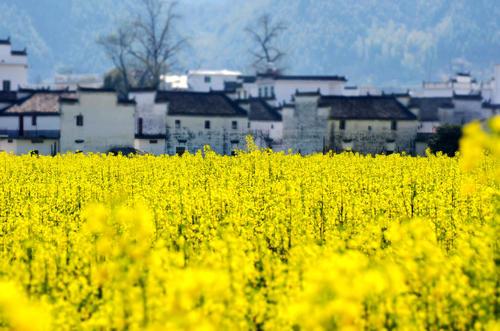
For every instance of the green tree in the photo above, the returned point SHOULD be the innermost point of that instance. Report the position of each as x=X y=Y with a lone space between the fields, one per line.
x=446 y=140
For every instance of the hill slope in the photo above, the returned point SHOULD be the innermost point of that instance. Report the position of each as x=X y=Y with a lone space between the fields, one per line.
x=384 y=42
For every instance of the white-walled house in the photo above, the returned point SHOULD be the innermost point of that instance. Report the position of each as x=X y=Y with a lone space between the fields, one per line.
x=150 y=122
x=96 y=121
x=265 y=123
x=13 y=67
x=197 y=119
x=365 y=124
x=282 y=88
x=32 y=124
x=210 y=80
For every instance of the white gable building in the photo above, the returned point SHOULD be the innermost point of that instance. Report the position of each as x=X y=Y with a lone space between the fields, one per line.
x=96 y=121
x=13 y=67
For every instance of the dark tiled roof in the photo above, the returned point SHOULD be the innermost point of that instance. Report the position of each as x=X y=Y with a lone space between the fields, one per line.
x=232 y=86
x=24 y=52
x=150 y=136
x=248 y=79
x=8 y=96
x=95 y=90
x=366 y=108
x=260 y=110
x=31 y=134
x=37 y=103
x=311 y=78
x=200 y=104
x=429 y=107
x=476 y=96
x=490 y=105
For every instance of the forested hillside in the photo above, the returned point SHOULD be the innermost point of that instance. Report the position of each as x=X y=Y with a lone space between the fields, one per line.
x=384 y=42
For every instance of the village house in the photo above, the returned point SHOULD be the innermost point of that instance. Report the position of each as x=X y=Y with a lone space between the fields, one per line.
x=96 y=121
x=364 y=124
x=13 y=67
x=150 y=122
x=210 y=80
x=281 y=88
x=265 y=123
x=32 y=124
x=196 y=119
x=430 y=112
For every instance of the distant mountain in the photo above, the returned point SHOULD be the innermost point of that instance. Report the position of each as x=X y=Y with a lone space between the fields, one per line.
x=369 y=41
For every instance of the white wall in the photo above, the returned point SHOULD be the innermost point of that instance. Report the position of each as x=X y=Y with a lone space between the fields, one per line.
x=43 y=123
x=285 y=89
x=197 y=83
x=25 y=146
x=13 y=68
x=10 y=123
x=106 y=124
x=268 y=128
x=218 y=137
x=150 y=146
x=153 y=116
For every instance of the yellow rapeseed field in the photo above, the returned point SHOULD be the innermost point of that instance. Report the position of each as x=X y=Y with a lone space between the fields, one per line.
x=260 y=241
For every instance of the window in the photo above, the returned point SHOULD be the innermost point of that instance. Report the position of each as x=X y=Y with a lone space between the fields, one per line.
x=177 y=124
x=272 y=91
x=33 y=120
x=140 y=123
x=153 y=141
x=394 y=125
x=234 y=125
x=79 y=120
x=266 y=90
x=208 y=79
x=272 y=126
x=260 y=91
x=37 y=141
x=342 y=124
x=207 y=125
x=369 y=127
x=10 y=141
x=6 y=85
x=79 y=141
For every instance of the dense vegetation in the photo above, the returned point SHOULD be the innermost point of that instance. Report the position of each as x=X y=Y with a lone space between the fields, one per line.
x=260 y=241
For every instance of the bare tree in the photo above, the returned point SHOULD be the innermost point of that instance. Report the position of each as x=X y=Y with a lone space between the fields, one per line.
x=265 y=34
x=144 y=49
x=157 y=42
x=117 y=46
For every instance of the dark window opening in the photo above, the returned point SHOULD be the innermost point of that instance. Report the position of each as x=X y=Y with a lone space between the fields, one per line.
x=369 y=128
x=208 y=79
x=37 y=141
x=10 y=141
x=342 y=125
x=33 y=121
x=394 y=125
x=79 y=120
x=177 y=124
x=79 y=141
x=140 y=123
x=272 y=126
x=153 y=141
x=265 y=92
x=234 y=125
x=21 y=125
x=207 y=124
x=272 y=91
x=6 y=85
x=180 y=150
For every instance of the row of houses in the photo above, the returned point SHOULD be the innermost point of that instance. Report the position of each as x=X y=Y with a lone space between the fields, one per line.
x=305 y=114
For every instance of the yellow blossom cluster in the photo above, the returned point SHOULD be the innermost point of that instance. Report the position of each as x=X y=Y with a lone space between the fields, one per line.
x=259 y=241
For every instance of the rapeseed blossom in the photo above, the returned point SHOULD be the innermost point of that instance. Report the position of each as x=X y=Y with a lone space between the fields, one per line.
x=260 y=241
